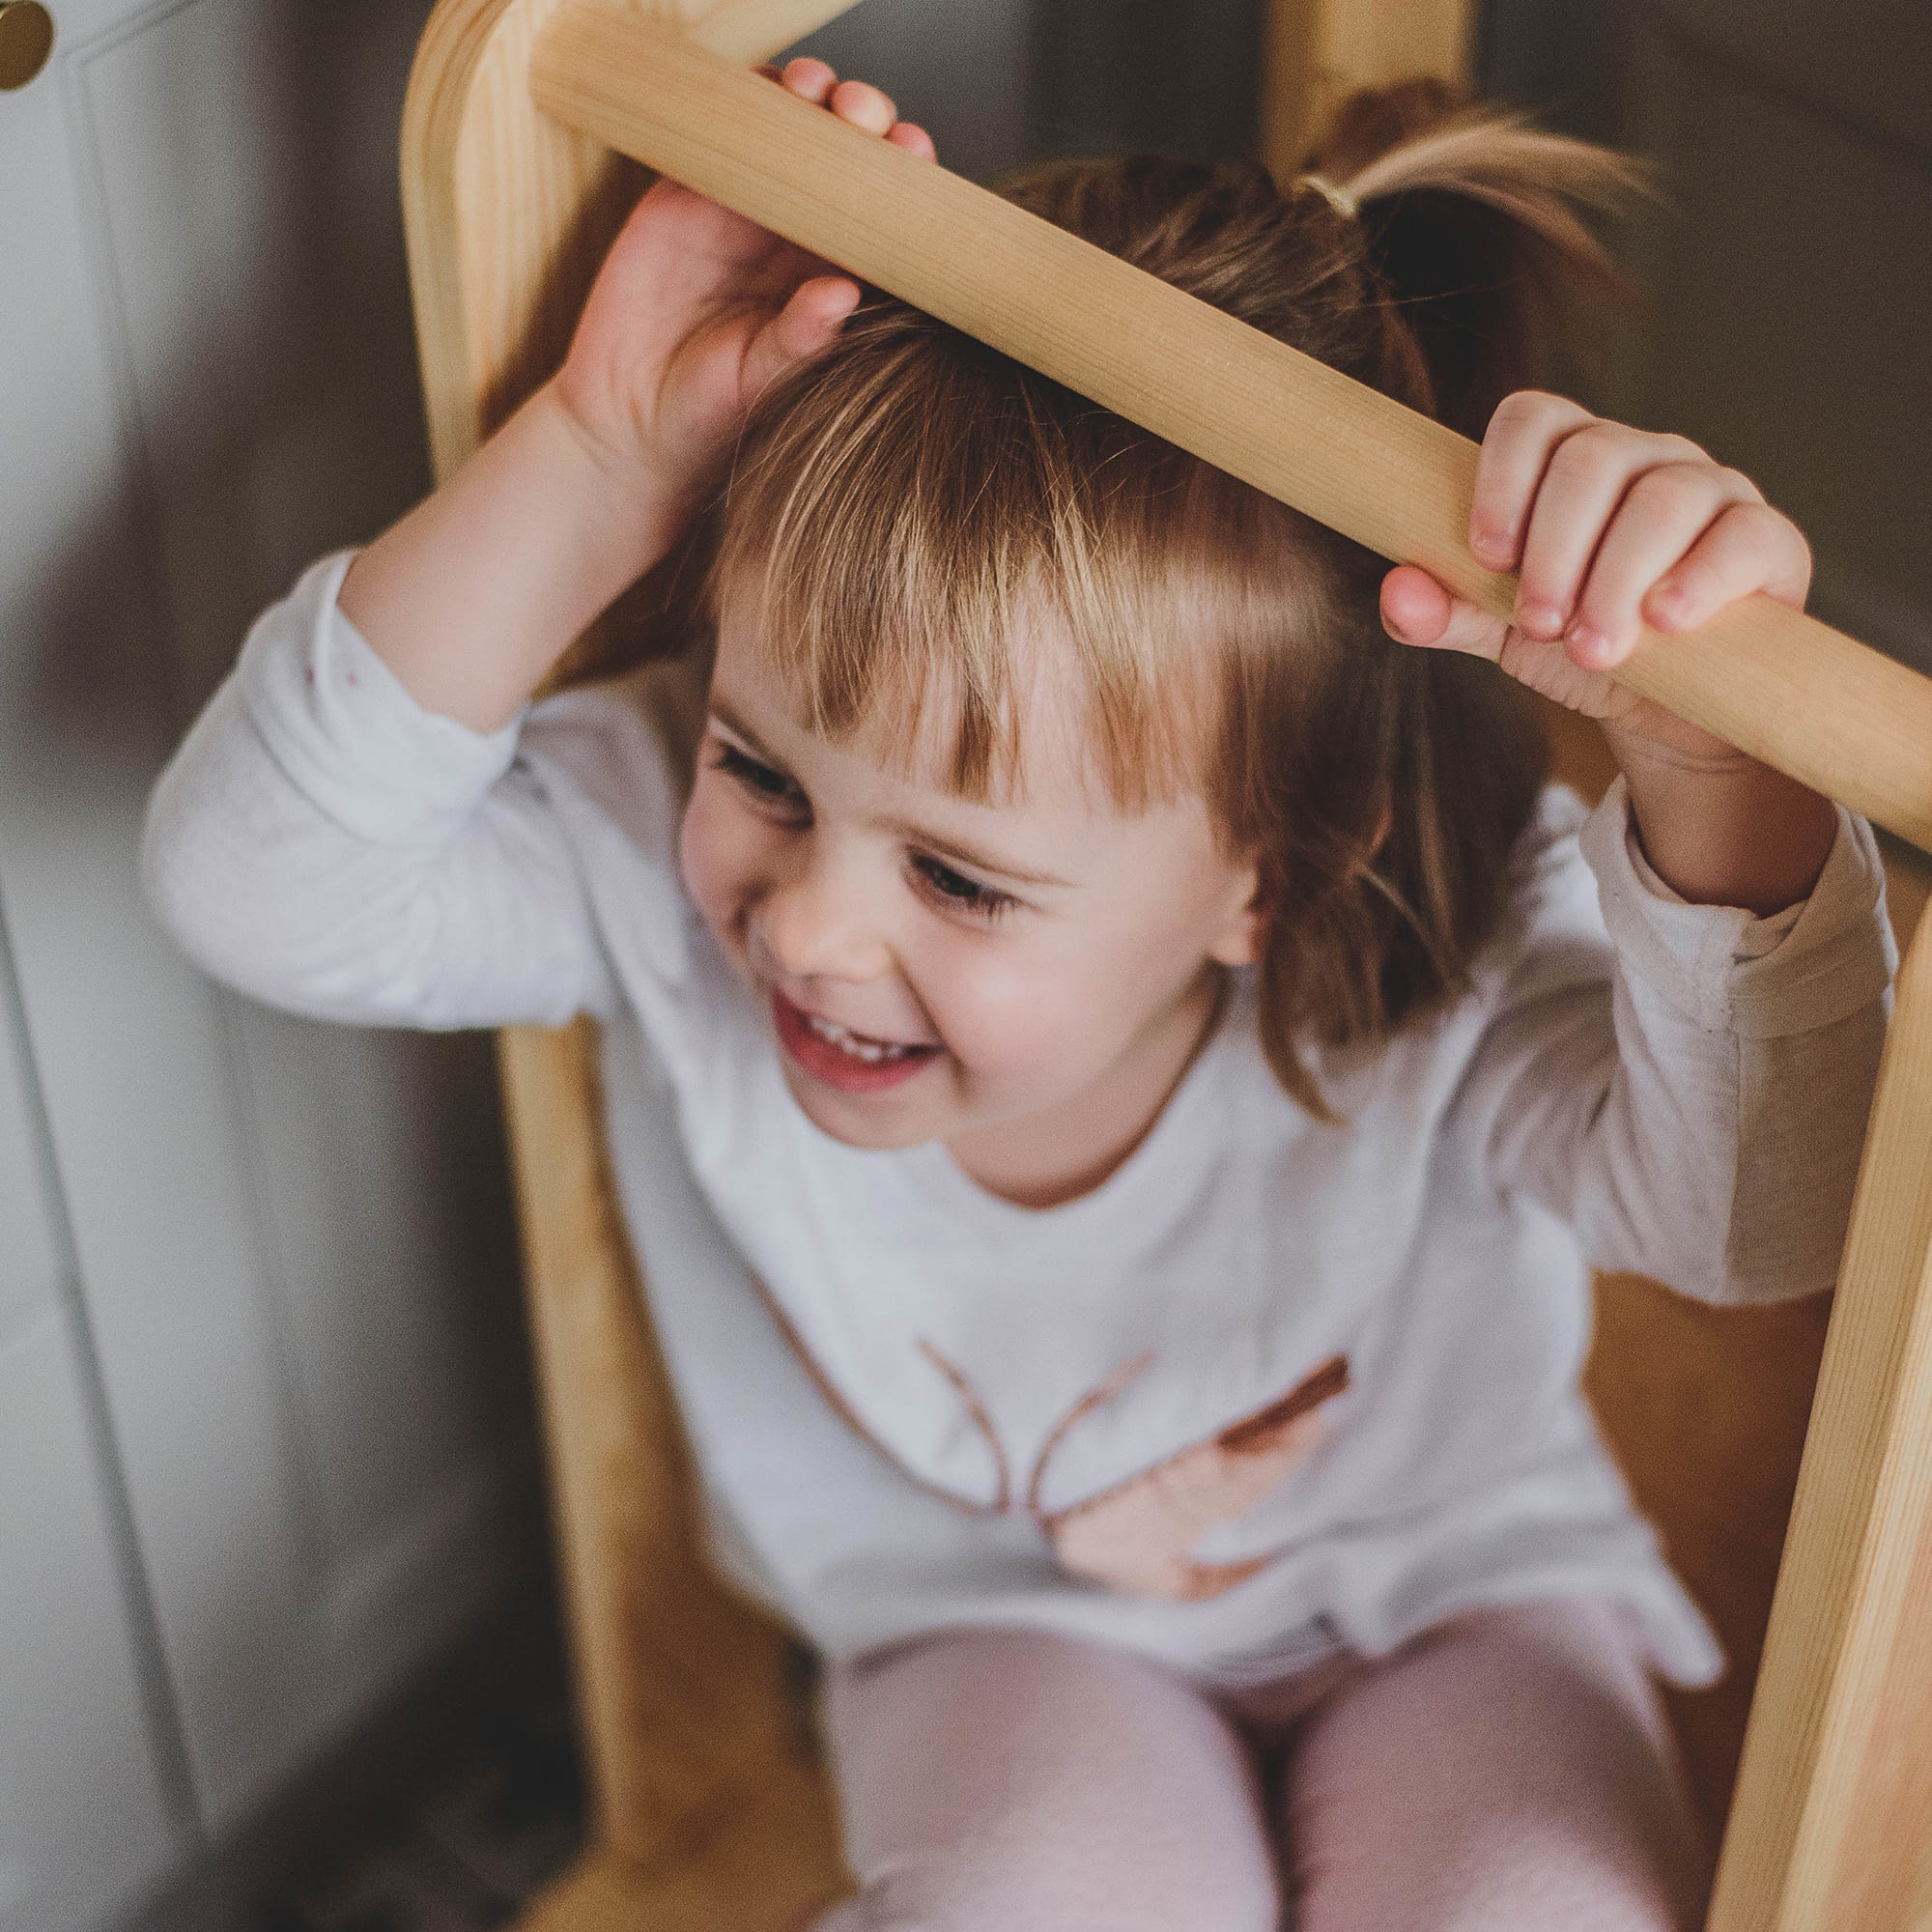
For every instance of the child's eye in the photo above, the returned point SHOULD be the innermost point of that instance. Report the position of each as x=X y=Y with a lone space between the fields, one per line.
x=957 y=891
x=767 y=785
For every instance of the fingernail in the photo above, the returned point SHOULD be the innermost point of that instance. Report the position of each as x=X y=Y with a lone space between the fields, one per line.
x=1493 y=545
x=1539 y=620
x=1590 y=643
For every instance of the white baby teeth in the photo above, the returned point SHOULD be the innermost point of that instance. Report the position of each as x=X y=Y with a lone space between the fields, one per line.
x=871 y=1051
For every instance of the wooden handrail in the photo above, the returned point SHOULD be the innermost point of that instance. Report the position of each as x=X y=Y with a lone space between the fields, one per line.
x=1786 y=688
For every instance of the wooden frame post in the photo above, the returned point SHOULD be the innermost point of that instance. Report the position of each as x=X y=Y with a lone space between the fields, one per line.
x=1318 y=51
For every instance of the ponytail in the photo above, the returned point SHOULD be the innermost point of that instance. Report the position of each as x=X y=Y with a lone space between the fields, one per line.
x=1478 y=224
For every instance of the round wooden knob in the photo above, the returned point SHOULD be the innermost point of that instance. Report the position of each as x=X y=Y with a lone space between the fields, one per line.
x=26 y=38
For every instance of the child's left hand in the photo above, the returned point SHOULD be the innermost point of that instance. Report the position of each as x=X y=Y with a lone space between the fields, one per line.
x=1609 y=529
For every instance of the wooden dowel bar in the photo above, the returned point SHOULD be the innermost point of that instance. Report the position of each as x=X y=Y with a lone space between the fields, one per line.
x=1785 y=687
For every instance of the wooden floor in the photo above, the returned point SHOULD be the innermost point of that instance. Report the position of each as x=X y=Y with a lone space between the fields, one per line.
x=762 y=1864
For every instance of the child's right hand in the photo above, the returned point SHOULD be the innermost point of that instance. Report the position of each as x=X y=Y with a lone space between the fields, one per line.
x=697 y=309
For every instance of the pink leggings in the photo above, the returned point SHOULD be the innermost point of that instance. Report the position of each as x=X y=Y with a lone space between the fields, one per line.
x=1509 y=1771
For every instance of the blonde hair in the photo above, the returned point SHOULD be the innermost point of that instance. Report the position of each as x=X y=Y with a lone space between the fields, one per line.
x=903 y=511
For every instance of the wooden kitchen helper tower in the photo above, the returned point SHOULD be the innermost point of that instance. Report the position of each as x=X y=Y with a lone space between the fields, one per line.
x=710 y=1814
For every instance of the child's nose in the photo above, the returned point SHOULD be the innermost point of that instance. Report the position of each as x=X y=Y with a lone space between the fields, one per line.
x=822 y=924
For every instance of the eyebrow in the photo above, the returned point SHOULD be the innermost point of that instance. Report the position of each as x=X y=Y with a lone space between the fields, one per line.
x=911 y=833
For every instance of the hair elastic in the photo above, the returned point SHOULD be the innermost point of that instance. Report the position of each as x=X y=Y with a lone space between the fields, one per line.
x=1337 y=198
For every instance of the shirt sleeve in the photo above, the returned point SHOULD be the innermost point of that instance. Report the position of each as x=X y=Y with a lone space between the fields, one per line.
x=324 y=843
x=1691 y=1097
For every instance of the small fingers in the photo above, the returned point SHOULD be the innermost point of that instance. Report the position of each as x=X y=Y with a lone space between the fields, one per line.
x=855 y=100
x=1515 y=448
x=913 y=139
x=1749 y=547
x=1582 y=489
x=810 y=79
x=808 y=319
x=864 y=106
x=1662 y=514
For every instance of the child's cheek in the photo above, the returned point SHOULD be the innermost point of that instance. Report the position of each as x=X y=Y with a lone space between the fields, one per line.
x=1012 y=1021
x=719 y=851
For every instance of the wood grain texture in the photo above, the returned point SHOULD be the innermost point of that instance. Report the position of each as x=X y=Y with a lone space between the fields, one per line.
x=681 y=1685
x=506 y=211
x=1785 y=687
x=1833 y=1809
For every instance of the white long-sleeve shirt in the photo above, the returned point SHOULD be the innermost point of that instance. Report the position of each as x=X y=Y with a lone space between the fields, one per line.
x=1275 y=1388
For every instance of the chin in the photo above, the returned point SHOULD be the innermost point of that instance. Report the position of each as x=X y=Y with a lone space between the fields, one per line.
x=873 y=1123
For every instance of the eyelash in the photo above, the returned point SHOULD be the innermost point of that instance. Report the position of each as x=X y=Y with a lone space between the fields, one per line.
x=766 y=788
x=771 y=790
x=977 y=901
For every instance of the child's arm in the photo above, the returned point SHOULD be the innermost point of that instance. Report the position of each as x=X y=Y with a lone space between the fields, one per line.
x=357 y=827
x=1698 y=1117
x=477 y=591
x=1611 y=528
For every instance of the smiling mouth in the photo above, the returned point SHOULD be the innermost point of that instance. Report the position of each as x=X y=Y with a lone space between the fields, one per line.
x=874 y=1052
x=853 y=1061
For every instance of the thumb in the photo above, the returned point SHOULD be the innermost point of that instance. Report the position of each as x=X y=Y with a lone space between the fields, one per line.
x=1416 y=609
x=809 y=319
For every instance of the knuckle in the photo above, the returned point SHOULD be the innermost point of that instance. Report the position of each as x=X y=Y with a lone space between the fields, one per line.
x=1675 y=486
x=1536 y=406
x=1590 y=452
x=1758 y=520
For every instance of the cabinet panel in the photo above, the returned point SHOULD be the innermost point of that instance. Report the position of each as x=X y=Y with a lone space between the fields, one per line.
x=83 y=1823
x=1793 y=280
x=1862 y=60
x=293 y=1241
x=28 y=1270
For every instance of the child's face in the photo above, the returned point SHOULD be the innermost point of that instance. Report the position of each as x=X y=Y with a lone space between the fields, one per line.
x=931 y=966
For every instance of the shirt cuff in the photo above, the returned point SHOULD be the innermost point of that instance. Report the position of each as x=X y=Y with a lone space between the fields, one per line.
x=1728 y=970
x=346 y=730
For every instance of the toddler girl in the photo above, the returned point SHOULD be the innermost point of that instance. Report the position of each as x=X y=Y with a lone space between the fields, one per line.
x=1113 y=1056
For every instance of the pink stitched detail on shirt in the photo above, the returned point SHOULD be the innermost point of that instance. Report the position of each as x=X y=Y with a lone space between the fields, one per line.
x=844 y=1410
x=1127 y=1373
x=975 y=1410
x=1138 y=1535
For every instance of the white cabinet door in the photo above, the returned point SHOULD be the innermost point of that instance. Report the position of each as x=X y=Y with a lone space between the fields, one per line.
x=293 y=1241
x=90 y=1815
x=84 y=1824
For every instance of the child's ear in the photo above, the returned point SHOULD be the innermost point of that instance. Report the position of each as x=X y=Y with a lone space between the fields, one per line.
x=1239 y=941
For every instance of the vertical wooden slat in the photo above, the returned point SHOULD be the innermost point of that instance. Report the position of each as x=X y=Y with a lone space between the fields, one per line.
x=1318 y=51
x=1833 y=1811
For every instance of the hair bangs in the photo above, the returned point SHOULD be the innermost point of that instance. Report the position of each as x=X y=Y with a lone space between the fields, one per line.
x=925 y=536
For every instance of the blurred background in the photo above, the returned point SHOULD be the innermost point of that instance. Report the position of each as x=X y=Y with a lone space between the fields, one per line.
x=275 y=1637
